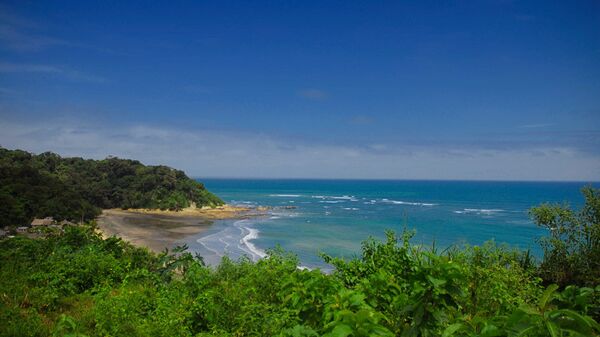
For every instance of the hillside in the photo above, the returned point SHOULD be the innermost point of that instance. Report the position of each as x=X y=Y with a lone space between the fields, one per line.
x=75 y=188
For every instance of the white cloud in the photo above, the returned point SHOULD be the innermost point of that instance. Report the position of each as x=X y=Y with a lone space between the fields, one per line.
x=535 y=126
x=225 y=154
x=361 y=120
x=313 y=94
x=22 y=35
x=70 y=74
x=14 y=39
x=198 y=89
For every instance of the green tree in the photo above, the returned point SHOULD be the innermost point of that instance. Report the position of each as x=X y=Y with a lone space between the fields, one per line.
x=572 y=251
x=74 y=188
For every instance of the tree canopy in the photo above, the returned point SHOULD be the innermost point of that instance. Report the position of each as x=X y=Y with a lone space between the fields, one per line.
x=76 y=188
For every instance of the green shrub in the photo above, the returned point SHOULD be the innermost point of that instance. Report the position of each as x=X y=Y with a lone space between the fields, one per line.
x=572 y=251
x=76 y=283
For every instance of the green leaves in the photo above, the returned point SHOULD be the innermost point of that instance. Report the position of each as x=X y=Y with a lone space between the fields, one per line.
x=548 y=295
x=299 y=331
x=74 y=188
x=547 y=319
x=452 y=329
x=572 y=249
x=107 y=287
x=66 y=327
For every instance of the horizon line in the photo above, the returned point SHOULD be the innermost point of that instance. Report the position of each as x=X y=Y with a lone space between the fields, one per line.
x=399 y=179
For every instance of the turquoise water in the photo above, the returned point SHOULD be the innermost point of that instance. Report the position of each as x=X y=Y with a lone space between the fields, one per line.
x=335 y=216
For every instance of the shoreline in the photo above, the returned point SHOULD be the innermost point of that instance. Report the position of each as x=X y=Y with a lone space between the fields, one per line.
x=158 y=229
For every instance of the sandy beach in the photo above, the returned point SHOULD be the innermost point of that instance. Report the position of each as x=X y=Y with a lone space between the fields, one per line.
x=157 y=230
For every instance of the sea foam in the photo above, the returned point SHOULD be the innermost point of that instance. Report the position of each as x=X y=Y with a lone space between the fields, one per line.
x=343 y=197
x=399 y=202
x=233 y=240
x=247 y=244
x=480 y=211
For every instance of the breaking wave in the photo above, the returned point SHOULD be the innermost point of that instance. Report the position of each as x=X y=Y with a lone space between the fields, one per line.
x=343 y=197
x=399 y=202
x=233 y=240
x=479 y=211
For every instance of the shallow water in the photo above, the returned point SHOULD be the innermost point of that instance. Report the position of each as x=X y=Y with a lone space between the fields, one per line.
x=334 y=217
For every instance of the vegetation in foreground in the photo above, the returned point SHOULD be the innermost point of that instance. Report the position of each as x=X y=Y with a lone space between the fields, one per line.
x=75 y=188
x=75 y=284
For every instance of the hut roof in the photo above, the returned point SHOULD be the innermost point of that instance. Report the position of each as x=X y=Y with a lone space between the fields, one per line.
x=42 y=222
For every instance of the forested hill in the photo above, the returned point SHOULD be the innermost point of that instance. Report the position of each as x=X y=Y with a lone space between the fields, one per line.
x=72 y=188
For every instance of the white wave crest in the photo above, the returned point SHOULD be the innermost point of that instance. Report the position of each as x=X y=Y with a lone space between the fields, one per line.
x=399 y=202
x=343 y=197
x=246 y=240
x=242 y=202
x=233 y=240
x=480 y=211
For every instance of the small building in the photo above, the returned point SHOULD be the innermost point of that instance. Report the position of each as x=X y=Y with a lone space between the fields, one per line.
x=22 y=229
x=42 y=222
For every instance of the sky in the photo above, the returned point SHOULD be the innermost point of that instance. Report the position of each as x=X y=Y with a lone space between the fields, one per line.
x=482 y=90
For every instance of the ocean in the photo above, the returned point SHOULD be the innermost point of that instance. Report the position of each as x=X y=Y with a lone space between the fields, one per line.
x=309 y=217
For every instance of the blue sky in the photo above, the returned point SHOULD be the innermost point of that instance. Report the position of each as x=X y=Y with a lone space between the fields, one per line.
x=330 y=89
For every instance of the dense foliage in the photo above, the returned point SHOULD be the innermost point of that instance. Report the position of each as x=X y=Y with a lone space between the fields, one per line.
x=74 y=283
x=572 y=251
x=74 y=188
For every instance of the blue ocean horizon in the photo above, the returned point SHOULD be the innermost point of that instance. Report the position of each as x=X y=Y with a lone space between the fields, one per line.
x=313 y=216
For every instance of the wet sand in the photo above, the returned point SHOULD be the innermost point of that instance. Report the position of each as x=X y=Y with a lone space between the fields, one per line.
x=158 y=230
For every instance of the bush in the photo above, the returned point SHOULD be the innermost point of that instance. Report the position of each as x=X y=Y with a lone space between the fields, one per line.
x=572 y=251
x=76 y=283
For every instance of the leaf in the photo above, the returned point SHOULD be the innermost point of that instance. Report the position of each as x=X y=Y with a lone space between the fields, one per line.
x=516 y=317
x=436 y=282
x=301 y=331
x=578 y=323
x=547 y=295
x=363 y=315
x=491 y=331
x=553 y=329
x=340 y=330
x=525 y=331
x=451 y=329
x=529 y=310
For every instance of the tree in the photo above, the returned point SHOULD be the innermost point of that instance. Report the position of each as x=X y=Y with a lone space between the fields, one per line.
x=72 y=188
x=572 y=251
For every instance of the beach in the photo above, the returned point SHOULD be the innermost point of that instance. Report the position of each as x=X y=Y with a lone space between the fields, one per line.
x=158 y=229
